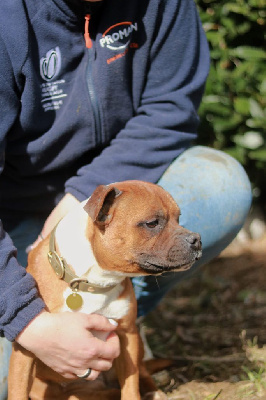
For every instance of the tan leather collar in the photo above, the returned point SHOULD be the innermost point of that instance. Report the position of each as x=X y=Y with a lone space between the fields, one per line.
x=63 y=271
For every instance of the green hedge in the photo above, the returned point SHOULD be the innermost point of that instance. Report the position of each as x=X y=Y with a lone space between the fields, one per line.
x=233 y=116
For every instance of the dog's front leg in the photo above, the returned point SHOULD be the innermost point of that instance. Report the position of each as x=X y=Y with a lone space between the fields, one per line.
x=127 y=364
x=20 y=375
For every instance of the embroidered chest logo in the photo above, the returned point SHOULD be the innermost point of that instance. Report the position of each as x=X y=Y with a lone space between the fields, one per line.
x=118 y=38
x=50 y=65
x=52 y=91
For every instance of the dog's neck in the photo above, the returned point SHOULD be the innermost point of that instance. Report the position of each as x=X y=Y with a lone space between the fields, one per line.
x=73 y=245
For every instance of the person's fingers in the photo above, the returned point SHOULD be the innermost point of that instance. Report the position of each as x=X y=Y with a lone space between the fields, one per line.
x=97 y=366
x=100 y=323
x=74 y=376
x=100 y=350
x=108 y=350
x=92 y=376
x=100 y=365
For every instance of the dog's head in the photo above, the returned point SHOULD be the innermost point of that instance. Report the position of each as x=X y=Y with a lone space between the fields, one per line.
x=135 y=229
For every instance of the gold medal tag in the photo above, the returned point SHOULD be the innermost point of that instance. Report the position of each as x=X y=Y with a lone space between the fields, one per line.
x=74 y=301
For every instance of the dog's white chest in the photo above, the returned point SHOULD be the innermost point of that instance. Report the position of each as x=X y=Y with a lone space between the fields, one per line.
x=108 y=304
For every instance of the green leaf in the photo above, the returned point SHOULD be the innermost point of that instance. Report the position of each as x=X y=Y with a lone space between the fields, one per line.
x=248 y=52
x=218 y=105
x=242 y=9
x=214 y=37
x=222 y=125
x=241 y=105
x=259 y=155
x=250 y=140
x=212 y=98
x=255 y=109
x=256 y=123
x=243 y=28
x=257 y=3
x=262 y=86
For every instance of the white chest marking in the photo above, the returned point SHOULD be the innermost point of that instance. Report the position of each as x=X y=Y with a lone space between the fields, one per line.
x=107 y=304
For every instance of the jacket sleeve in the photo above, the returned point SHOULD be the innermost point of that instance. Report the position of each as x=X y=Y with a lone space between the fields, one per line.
x=19 y=303
x=166 y=120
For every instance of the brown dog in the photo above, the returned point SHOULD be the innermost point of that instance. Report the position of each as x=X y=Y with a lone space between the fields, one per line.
x=123 y=230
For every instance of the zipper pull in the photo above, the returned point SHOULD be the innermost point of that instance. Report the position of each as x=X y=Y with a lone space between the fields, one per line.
x=87 y=38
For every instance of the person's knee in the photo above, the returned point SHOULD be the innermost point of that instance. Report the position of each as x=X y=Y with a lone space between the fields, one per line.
x=228 y=182
x=211 y=177
x=222 y=166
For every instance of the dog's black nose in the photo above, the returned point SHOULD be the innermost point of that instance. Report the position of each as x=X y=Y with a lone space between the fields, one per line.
x=194 y=240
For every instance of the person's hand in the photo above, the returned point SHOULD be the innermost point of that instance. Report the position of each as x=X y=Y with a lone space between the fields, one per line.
x=67 y=342
x=62 y=208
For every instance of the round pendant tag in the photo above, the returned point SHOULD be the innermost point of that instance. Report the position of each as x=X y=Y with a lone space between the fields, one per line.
x=74 y=301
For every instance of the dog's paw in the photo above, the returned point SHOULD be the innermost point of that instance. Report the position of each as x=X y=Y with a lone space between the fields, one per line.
x=158 y=395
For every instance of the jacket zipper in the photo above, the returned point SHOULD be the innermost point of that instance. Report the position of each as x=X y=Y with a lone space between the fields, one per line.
x=91 y=88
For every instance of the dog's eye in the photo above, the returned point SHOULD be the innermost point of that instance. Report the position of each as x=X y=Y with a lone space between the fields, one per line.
x=152 y=224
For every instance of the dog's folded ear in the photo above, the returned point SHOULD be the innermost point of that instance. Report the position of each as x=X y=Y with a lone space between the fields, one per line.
x=99 y=204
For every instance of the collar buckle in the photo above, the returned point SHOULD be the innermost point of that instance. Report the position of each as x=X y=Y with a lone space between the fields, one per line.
x=57 y=263
x=81 y=284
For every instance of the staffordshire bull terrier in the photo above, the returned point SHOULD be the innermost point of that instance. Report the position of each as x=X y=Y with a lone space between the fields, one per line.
x=123 y=230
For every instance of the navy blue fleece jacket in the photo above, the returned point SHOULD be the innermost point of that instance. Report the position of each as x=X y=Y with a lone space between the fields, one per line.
x=73 y=117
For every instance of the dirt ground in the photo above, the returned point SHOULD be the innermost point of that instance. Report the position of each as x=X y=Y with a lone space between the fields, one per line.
x=214 y=328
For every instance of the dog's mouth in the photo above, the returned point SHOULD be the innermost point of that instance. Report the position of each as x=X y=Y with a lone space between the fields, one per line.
x=159 y=269
x=154 y=268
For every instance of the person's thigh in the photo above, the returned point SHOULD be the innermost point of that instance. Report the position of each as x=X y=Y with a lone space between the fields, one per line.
x=214 y=195
x=22 y=235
